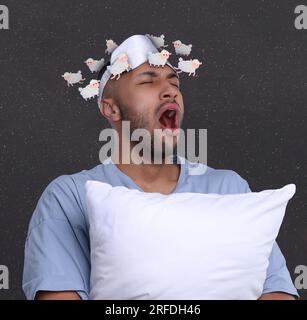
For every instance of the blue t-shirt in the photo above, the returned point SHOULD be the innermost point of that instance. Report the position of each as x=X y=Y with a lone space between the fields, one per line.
x=57 y=249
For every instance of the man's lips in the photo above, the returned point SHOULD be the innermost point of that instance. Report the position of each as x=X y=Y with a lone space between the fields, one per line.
x=170 y=107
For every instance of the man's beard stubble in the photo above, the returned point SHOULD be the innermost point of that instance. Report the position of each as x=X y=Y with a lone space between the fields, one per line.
x=137 y=121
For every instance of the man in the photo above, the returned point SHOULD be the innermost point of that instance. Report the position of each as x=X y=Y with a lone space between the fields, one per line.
x=57 y=251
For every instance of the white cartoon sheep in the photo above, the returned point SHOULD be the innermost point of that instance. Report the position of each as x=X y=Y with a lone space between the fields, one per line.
x=120 y=65
x=159 y=42
x=188 y=66
x=91 y=90
x=73 y=78
x=111 y=46
x=158 y=58
x=182 y=49
x=94 y=65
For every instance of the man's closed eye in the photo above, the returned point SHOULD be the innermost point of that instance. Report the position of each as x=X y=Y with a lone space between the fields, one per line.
x=177 y=86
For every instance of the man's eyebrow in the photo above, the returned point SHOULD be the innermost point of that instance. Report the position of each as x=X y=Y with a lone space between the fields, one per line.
x=154 y=74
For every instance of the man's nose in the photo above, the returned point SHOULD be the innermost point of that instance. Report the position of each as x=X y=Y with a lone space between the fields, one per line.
x=168 y=91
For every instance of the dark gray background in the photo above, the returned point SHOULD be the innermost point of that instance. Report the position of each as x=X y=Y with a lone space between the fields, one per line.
x=251 y=95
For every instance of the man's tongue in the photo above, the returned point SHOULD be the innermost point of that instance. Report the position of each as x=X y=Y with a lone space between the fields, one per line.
x=167 y=120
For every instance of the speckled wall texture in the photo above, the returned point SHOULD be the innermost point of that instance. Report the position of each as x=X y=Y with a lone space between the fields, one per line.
x=251 y=95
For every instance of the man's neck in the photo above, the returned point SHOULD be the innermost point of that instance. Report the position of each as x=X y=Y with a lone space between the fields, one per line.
x=150 y=172
x=152 y=177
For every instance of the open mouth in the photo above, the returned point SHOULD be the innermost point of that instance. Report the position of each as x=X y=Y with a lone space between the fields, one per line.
x=169 y=117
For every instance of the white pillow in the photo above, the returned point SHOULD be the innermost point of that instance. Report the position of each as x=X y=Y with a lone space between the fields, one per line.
x=182 y=245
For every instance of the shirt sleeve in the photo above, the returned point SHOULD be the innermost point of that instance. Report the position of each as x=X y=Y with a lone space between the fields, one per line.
x=57 y=248
x=278 y=278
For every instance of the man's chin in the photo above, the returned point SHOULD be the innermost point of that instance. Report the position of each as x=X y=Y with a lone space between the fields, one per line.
x=163 y=145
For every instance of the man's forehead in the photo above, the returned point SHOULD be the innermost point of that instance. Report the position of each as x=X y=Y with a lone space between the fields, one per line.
x=147 y=69
x=142 y=70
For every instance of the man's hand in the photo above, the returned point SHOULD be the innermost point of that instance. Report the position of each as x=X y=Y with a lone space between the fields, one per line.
x=277 y=296
x=61 y=295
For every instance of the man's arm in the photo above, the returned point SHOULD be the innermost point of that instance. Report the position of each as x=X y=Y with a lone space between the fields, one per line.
x=278 y=279
x=57 y=256
x=277 y=296
x=60 y=295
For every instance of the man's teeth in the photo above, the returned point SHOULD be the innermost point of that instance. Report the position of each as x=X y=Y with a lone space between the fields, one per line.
x=171 y=113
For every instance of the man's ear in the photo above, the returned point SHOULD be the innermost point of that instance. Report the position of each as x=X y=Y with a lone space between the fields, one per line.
x=110 y=110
